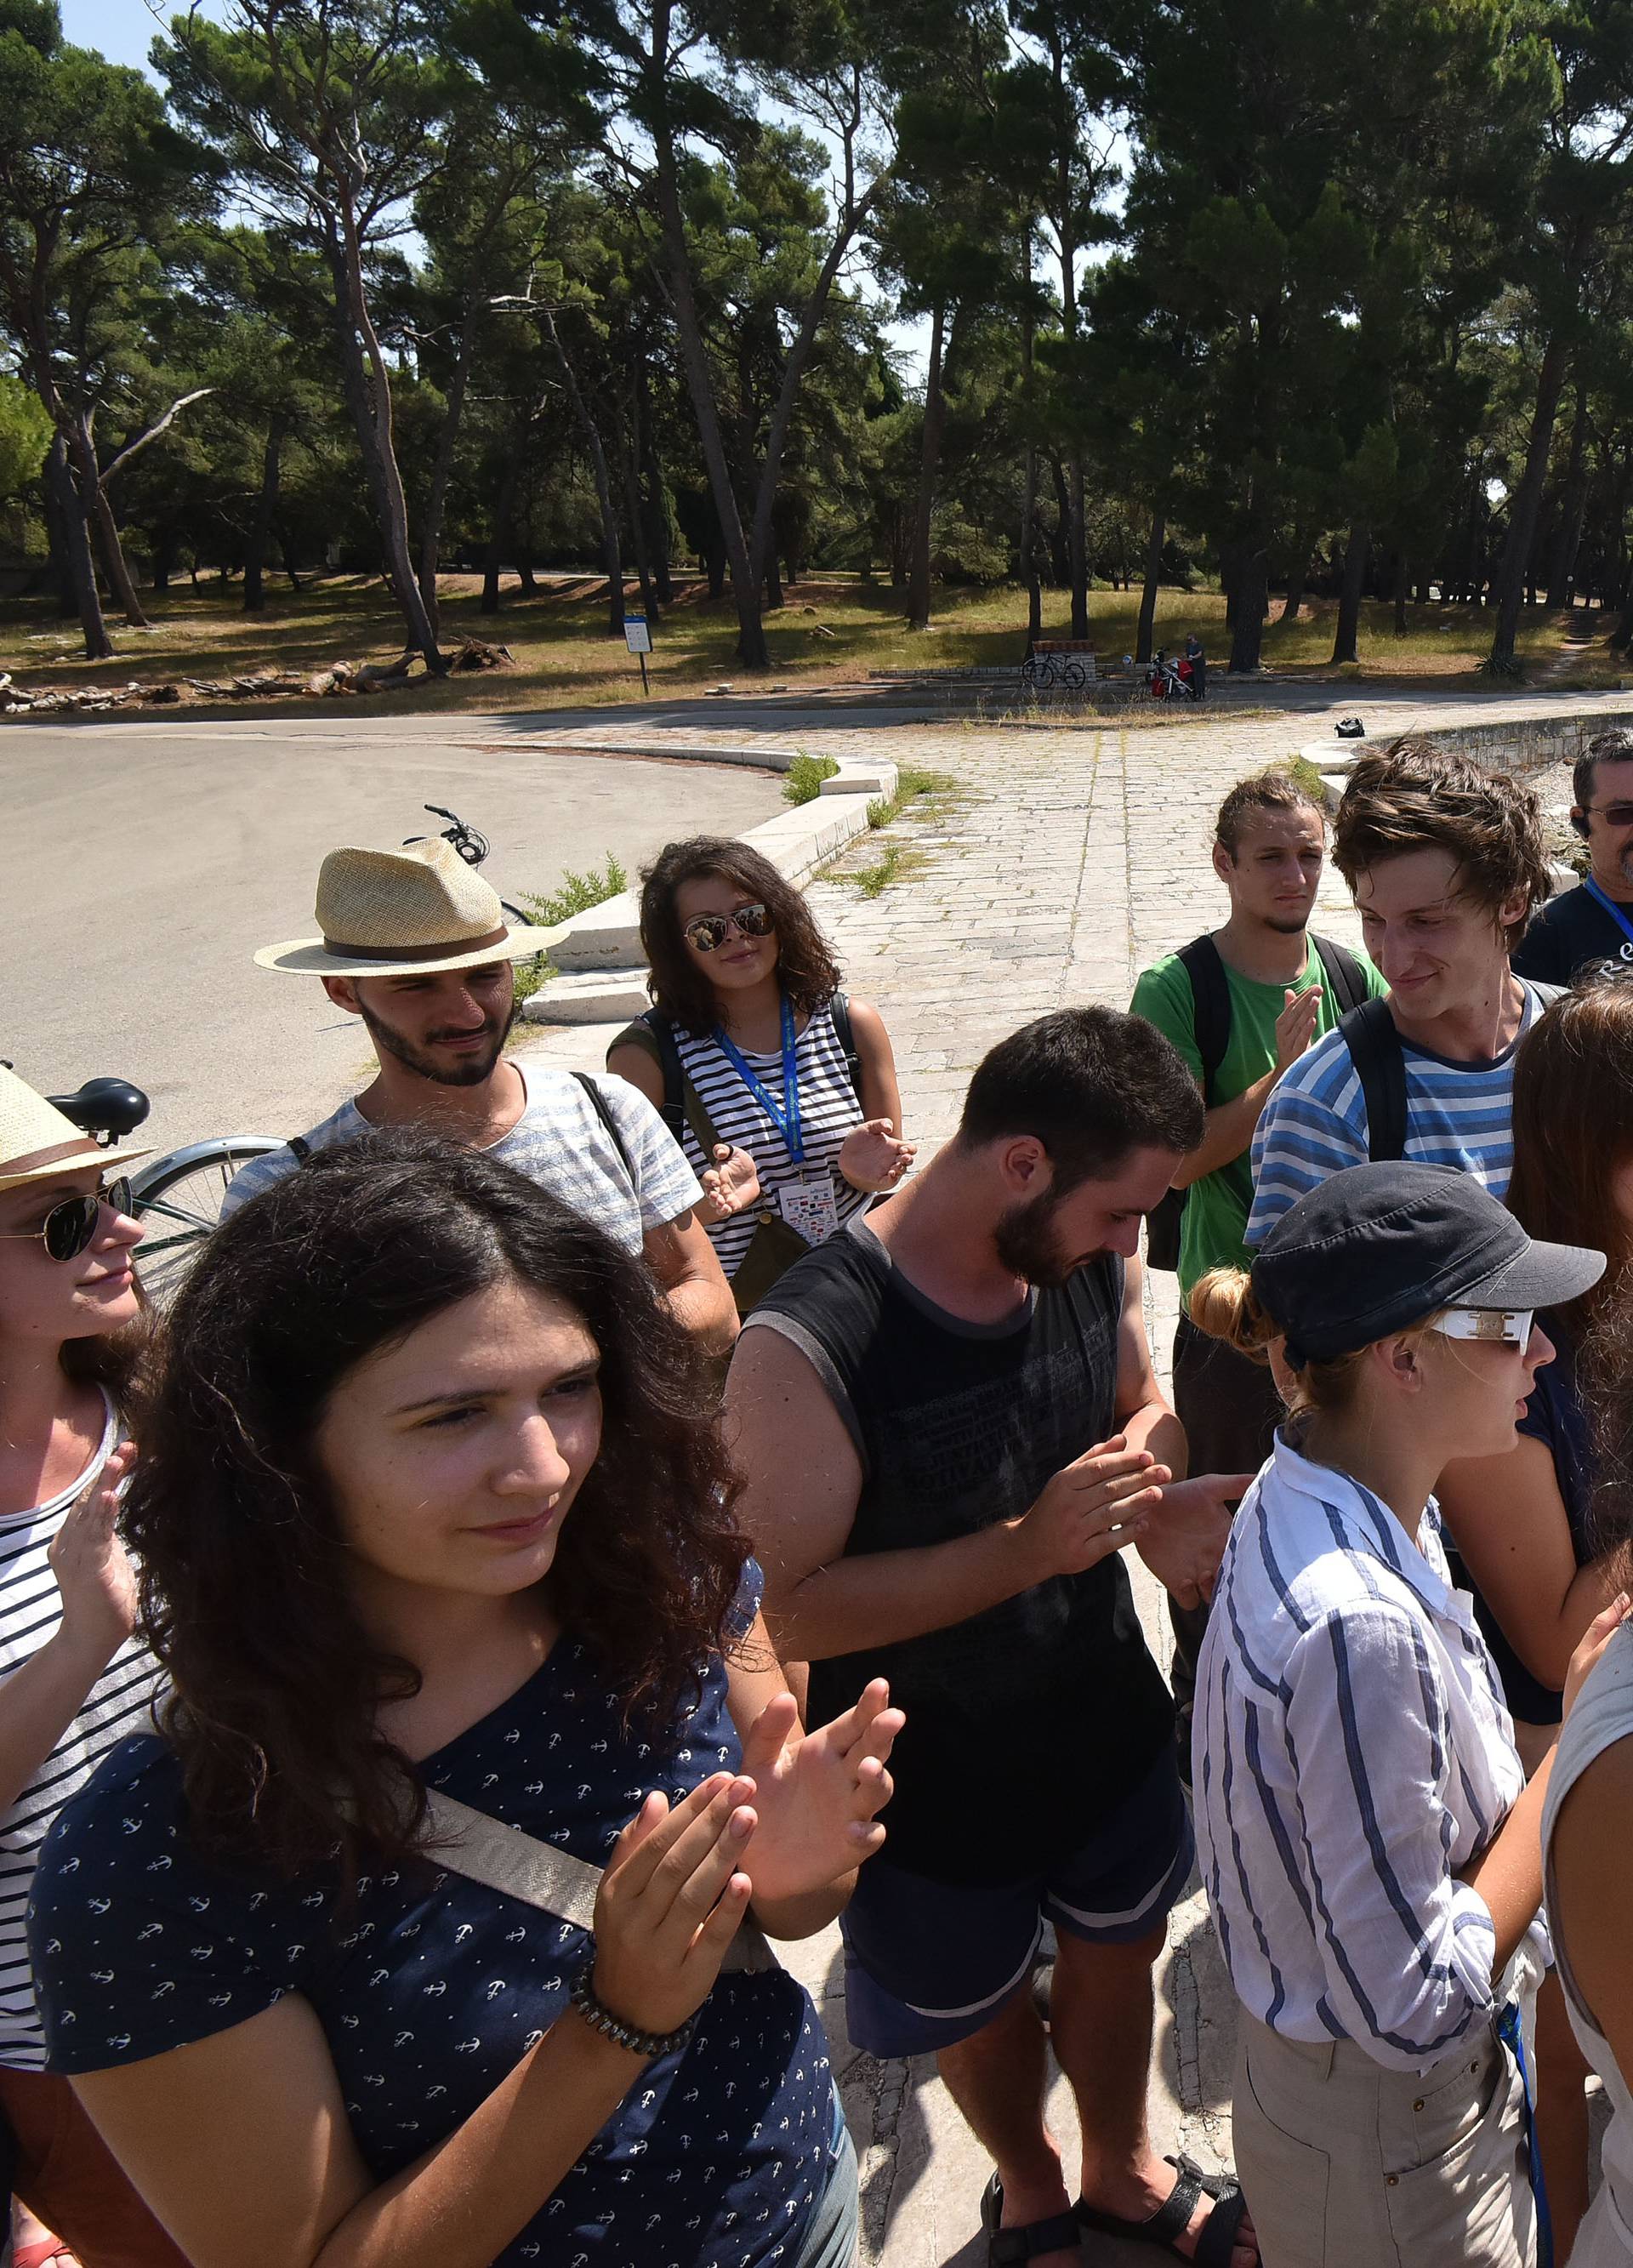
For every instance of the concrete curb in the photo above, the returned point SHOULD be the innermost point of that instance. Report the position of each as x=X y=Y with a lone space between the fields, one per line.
x=601 y=947
x=1515 y=745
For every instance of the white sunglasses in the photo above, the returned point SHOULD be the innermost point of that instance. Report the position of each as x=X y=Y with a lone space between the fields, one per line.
x=1501 y=1326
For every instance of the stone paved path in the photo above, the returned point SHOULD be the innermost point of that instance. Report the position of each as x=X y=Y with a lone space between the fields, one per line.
x=1069 y=858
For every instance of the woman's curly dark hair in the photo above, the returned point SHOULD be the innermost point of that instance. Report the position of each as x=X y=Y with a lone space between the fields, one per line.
x=806 y=967
x=245 y=1587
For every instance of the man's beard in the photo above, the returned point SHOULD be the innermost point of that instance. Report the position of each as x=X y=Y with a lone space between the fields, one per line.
x=470 y=1072
x=1028 y=1245
x=1284 y=927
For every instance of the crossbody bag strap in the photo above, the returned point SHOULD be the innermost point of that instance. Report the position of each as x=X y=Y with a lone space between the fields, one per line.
x=506 y=1859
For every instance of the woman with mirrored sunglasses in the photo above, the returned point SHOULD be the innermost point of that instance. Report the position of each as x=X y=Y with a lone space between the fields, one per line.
x=1369 y=1843
x=74 y=1679
x=782 y=1092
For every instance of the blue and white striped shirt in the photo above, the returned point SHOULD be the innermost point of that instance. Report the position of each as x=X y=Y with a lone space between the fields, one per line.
x=1351 y=1753
x=1314 y=1123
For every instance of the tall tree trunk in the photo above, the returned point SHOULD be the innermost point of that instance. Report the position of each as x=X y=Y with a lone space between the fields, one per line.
x=752 y=650
x=1060 y=537
x=1346 y=635
x=928 y=464
x=1028 y=560
x=610 y=552
x=77 y=537
x=499 y=531
x=57 y=488
x=1298 y=574
x=1148 y=595
x=368 y=390
x=632 y=513
x=1523 y=505
x=1252 y=590
x=442 y=466
x=115 y=564
x=266 y=512
x=1402 y=585
x=1572 y=506
x=654 y=493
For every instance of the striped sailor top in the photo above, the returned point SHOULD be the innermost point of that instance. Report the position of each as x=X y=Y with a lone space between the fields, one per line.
x=1351 y=1753
x=119 y=1703
x=1457 y=1114
x=828 y=1111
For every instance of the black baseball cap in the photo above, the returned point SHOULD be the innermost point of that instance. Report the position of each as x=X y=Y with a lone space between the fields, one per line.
x=1381 y=1246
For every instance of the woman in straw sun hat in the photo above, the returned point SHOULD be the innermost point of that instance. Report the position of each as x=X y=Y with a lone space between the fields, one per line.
x=1369 y=1843
x=418 y=947
x=75 y=1679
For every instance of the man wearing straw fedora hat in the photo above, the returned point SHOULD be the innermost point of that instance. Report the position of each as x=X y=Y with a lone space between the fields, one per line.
x=418 y=947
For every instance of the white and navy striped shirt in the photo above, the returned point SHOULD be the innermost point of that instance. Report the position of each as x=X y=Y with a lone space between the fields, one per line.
x=828 y=1110
x=119 y=1703
x=1351 y=1753
x=1314 y=1123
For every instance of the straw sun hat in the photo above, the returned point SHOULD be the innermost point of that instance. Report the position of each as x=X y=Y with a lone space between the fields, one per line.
x=412 y=912
x=37 y=1144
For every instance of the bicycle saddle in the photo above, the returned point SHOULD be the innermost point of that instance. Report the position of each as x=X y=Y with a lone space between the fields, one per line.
x=104 y=1106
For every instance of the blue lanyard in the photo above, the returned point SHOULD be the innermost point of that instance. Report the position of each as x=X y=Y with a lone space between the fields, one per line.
x=785 y=1119
x=1510 y=2032
x=1611 y=908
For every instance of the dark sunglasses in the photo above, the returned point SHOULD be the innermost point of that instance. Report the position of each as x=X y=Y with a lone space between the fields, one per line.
x=1619 y=815
x=69 y=1227
x=706 y=932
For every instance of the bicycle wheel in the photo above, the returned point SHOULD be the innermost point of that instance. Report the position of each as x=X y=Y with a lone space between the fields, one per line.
x=179 y=1197
x=1029 y=674
x=1074 y=676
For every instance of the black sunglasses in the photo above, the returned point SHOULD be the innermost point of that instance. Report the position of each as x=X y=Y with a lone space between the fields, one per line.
x=69 y=1227
x=705 y=932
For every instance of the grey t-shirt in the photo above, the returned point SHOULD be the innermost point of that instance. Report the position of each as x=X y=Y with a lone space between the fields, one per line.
x=559 y=1142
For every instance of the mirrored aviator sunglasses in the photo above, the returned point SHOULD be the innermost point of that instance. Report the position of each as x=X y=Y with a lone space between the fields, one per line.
x=707 y=933
x=69 y=1227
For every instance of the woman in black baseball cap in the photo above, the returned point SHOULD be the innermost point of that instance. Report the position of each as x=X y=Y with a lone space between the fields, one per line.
x=1369 y=1845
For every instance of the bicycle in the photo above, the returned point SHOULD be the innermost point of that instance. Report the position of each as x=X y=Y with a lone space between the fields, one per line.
x=473 y=848
x=1040 y=671
x=180 y=1193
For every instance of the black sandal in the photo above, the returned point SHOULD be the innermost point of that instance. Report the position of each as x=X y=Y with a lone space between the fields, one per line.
x=1012 y=2248
x=1173 y=2216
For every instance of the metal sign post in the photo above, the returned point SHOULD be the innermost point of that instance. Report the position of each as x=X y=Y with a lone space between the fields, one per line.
x=638 y=639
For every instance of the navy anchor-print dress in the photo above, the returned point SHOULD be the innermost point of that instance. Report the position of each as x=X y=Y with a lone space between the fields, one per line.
x=434 y=1986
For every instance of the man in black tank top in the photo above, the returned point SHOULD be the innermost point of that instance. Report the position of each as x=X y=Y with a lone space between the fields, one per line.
x=950 y=1428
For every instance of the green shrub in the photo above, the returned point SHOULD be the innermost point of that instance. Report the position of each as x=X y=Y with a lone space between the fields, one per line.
x=803 y=782
x=575 y=894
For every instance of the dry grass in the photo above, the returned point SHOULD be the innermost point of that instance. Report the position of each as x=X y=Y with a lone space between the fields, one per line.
x=565 y=658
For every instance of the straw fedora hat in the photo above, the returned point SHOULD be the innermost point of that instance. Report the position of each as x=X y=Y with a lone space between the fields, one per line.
x=411 y=912
x=37 y=1144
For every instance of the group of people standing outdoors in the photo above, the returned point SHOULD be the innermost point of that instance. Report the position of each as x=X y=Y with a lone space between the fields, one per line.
x=570 y=1532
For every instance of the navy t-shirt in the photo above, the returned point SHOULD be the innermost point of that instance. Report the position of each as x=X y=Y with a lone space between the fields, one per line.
x=433 y=1986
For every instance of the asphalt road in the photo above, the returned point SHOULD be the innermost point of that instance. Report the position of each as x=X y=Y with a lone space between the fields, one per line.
x=146 y=862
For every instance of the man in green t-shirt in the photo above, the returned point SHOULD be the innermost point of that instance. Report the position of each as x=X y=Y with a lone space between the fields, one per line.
x=1269 y=844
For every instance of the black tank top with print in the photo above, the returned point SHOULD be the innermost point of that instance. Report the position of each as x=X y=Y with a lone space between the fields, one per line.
x=1029 y=1722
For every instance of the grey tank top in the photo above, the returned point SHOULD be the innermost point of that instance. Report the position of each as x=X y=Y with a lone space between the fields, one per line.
x=1602 y=1716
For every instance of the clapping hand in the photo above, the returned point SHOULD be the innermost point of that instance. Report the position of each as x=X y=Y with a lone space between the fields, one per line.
x=671 y=1899
x=874 y=1157
x=819 y=1793
x=730 y=1185
x=1182 y=1538
x=95 y=1578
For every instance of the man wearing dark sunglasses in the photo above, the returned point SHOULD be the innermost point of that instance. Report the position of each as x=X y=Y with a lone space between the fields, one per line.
x=1593 y=922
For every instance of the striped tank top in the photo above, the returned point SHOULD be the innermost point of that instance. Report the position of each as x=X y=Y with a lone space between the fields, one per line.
x=119 y=1703
x=828 y=1111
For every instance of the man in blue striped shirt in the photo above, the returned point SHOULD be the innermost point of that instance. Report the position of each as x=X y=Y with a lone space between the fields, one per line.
x=1445 y=862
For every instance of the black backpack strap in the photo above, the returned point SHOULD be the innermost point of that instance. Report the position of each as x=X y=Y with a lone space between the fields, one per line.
x=840 y=1009
x=301 y=1147
x=1344 y=974
x=653 y=1033
x=1374 y=1047
x=604 y=1112
x=1210 y=998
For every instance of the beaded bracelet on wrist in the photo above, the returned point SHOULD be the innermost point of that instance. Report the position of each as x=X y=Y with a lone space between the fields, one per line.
x=631 y=2036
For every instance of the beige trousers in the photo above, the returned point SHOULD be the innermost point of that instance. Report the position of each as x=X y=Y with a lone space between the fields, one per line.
x=1347 y=2165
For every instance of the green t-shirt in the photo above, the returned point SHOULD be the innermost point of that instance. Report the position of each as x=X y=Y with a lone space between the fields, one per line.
x=1217 y=1207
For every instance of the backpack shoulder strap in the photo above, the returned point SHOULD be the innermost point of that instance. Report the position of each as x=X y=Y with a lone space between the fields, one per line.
x=604 y=1111
x=840 y=1009
x=1344 y=973
x=301 y=1148
x=1211 y=994
x=1374 y=1047
x=508 y=1859
x=654 y=1034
